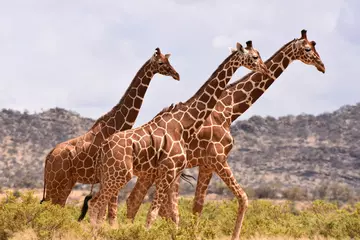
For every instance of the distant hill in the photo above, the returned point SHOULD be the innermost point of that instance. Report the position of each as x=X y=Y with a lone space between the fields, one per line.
x=305 y=151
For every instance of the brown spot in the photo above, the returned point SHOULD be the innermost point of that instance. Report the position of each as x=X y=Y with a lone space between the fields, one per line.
x=93 y=150
x=262 y=84
x=202 y=114
x=138 y=102
x=221 y=74
x=66 y=165
x=124 y=111
x=194 y=112
x=240 y=85
x=273 y=67
x=64 y=154
x=82 y=155
x=146 y=165
x=256 y=93
x=240 y=96
x=81 y=172
x=227 y=100
x=211 y=103
x=285 y=62
x=268 y=83
x=256 y=77
x=205 y=97
x=132 y=93
x=132 y=115
x=278 y=72
x=288 y=51
x=229 y=72
x=218 y=92
x=243 y=107
x=88 y=162
x=148 y=74
x=248 y=86
x=110 y=161
x=210 y=91
x=141 y=90
x=111 y=122
x=141 y=74
x=227 y=65
x=278 y=57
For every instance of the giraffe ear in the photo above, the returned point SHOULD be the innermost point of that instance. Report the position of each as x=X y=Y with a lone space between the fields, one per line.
x=167 y=55
x=239 y=47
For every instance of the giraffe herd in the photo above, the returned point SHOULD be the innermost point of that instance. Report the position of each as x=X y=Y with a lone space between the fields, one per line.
x=185 y=135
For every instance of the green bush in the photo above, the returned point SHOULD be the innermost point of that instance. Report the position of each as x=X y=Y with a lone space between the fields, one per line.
x=263 y=218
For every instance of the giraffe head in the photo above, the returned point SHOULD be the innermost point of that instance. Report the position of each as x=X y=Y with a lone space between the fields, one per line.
x=305 y=51
x=160 y=64
x=251 y=58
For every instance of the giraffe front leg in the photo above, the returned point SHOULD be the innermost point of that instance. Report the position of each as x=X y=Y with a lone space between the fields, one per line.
x=202 y=185
x=137 y=196
x=112 y=211
x=225 y=173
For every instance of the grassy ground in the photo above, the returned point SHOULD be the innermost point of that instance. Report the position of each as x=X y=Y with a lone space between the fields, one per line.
x=24 y=219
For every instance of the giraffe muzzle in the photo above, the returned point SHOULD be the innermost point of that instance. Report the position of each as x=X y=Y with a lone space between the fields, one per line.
x=320 y=67
x=176 y=76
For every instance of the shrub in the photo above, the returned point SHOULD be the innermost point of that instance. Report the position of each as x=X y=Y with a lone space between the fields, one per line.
x=263 y=218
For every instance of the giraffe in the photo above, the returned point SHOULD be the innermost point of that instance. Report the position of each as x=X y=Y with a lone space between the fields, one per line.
x=73 y=161
x=157 y=148
x=211 y=144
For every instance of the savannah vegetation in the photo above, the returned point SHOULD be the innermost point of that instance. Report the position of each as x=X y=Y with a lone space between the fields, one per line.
x=22 y=217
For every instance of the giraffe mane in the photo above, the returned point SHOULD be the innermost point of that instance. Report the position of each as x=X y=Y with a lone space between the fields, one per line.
x=267 y=61
x=170 y=108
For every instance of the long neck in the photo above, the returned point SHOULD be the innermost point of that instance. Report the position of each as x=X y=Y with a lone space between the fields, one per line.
x=123 y=115
x=245 y=91
x=198 y=107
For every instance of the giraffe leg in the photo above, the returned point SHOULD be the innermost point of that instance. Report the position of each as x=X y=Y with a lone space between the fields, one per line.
x=203 y=181
x=225 y=173
x=112 y=210
x=100 y=201
x=163 y=183
x=137 y=196
x=169 y=206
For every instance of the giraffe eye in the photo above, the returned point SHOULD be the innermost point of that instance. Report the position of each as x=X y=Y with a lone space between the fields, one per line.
x=255 y=57
x=307 y=49
x=161 y=63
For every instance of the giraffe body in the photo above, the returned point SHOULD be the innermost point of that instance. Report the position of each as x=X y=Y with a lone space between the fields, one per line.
x=157 y=150
x=210 y=146
x=73 y=161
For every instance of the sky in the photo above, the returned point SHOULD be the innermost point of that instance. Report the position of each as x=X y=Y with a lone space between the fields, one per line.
x=82 y=55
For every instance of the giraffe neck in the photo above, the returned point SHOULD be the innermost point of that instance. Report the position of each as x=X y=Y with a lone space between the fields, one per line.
x=198 y=107
x=123 y=115
x=248 y=89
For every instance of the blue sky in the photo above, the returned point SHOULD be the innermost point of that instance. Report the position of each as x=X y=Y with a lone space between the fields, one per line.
x=82 y=55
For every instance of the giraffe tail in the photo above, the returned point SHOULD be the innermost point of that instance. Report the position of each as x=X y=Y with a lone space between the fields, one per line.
x=44 y=191
x=85 y=206
x=186 y=178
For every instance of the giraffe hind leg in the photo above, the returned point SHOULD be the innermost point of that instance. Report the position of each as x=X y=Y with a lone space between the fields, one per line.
x=226 y=175
x=202 y=185
x=137 y=196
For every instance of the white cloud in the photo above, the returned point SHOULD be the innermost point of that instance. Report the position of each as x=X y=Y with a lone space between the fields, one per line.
x=82 y=55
